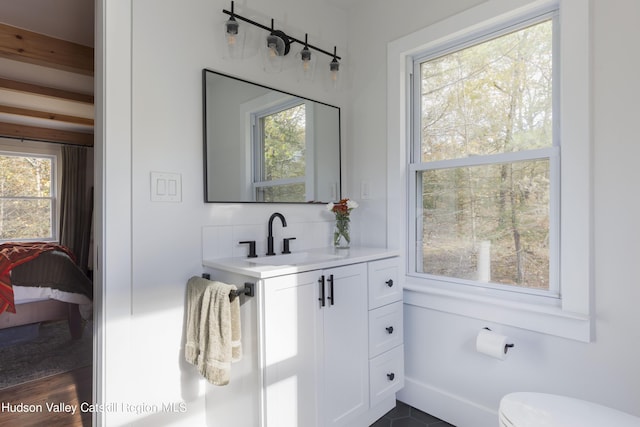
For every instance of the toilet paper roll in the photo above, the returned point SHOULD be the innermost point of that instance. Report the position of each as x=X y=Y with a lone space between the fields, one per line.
x=492 y=344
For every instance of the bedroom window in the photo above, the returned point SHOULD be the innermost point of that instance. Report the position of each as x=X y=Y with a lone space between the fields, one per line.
x=280 y=147
x=485 y=162
x=27 y=197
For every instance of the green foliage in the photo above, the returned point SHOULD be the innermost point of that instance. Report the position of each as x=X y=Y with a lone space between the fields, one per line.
x=491 y=98
x=284 y=144
x=25 y=197
x=283 y=193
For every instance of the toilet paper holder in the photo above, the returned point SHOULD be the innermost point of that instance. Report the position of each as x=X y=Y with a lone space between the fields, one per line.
x=506 y=346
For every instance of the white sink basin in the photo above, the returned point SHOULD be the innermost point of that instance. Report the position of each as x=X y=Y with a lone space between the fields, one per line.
x=297 y=258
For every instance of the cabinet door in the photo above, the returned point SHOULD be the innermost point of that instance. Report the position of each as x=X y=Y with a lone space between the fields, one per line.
x=291 y=350
x=345 y=373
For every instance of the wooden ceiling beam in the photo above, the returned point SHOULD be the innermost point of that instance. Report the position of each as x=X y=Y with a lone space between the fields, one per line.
x=13 y=130
x=26 y=46
x=45 y=91
x=45 y=115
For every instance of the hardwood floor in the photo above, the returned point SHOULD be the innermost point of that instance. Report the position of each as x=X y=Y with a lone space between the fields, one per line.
x=43 y=402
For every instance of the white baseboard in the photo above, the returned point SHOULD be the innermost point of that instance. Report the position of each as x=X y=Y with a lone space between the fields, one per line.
x=447 y=406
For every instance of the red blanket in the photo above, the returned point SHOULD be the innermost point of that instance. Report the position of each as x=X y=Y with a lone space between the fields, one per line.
x=14 y=254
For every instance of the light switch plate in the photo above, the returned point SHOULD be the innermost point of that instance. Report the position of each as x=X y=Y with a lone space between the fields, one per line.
x=364 y=190
x=166 y=187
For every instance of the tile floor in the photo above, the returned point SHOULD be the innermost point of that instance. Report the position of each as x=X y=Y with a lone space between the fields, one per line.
x=404 y=415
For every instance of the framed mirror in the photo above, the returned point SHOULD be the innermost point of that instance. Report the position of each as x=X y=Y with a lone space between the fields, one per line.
x=266 y=145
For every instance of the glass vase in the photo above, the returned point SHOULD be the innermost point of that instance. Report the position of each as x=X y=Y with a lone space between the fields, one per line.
x=341 y=236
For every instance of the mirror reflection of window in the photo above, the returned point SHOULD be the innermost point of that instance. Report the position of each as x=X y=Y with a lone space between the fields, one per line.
x=239 y=166
x=280 y=147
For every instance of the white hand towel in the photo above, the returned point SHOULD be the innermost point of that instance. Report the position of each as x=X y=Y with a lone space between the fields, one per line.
x=213 y=329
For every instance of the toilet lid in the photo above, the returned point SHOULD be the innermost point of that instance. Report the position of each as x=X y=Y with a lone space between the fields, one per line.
x=548 y=410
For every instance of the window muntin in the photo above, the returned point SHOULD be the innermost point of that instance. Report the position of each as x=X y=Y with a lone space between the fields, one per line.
x=27 y=197
x=280 y=147
x=485 y=164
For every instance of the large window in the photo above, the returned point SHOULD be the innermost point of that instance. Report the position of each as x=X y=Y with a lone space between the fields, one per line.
x=485 y=161
x=27 y=197
x=497 y=185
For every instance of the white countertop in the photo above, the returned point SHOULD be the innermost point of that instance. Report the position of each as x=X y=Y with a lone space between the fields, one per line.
x=298 y=262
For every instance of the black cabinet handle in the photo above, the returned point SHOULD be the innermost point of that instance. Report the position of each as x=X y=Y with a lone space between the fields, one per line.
x=321 y=283
x=391 y=376
x=389 y=329
x=389 y=283
x=330 y=280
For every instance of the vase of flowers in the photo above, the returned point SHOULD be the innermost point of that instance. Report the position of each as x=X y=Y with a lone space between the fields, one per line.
x=341 y=232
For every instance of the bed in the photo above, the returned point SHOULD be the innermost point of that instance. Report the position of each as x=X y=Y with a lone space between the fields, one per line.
x=46 y=285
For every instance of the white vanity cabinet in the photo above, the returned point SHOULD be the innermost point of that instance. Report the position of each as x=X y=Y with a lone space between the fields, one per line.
x=329 y=347
x=315 y=347
x=386 y=350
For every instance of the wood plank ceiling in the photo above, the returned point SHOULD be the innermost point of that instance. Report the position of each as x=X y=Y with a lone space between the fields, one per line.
x=43 y=113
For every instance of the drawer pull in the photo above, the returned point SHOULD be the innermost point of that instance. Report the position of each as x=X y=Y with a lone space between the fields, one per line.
x=389 y=283
x=389 y=329
x=391 y=376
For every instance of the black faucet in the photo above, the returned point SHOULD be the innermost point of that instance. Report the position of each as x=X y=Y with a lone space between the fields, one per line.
x=270 y=237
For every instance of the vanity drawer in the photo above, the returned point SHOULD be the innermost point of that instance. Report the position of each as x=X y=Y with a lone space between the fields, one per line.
x=384 y=282
x=385 y=328
x=386 y=375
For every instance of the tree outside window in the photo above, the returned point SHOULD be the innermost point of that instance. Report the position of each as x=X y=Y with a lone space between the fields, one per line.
x=484 y=161
x=281 y=173
x=26 y=197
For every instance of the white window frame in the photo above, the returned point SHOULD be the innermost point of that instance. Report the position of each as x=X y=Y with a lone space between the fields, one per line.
x=37 y=149
x=551 y=153
x=570 y=316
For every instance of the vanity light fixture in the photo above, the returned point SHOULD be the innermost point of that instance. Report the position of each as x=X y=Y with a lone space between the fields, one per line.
x=231 y=27
x=305 y=54
x=235 y=40
x=279 y=44
x=308 y=60
x=334 y=67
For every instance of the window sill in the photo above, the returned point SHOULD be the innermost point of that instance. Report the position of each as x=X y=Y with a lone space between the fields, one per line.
x=546 y=319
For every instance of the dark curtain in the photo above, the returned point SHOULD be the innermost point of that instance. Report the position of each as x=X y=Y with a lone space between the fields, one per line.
x=76 y=204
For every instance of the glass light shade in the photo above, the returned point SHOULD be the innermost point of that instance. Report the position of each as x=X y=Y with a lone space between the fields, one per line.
x=334 y=69
x=275 y=45
x=308 y=64
x=272 y=56
x=231 y=27
x=278 y=46
x=234 y=38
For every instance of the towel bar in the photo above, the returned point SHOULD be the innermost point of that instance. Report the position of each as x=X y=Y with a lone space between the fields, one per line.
x=248 y=290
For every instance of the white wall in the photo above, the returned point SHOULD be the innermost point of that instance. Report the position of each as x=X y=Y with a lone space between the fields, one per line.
x=445 y=376
x=150 y=59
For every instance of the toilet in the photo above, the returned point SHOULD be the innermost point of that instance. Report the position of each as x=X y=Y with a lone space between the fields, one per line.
x=525 y=409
